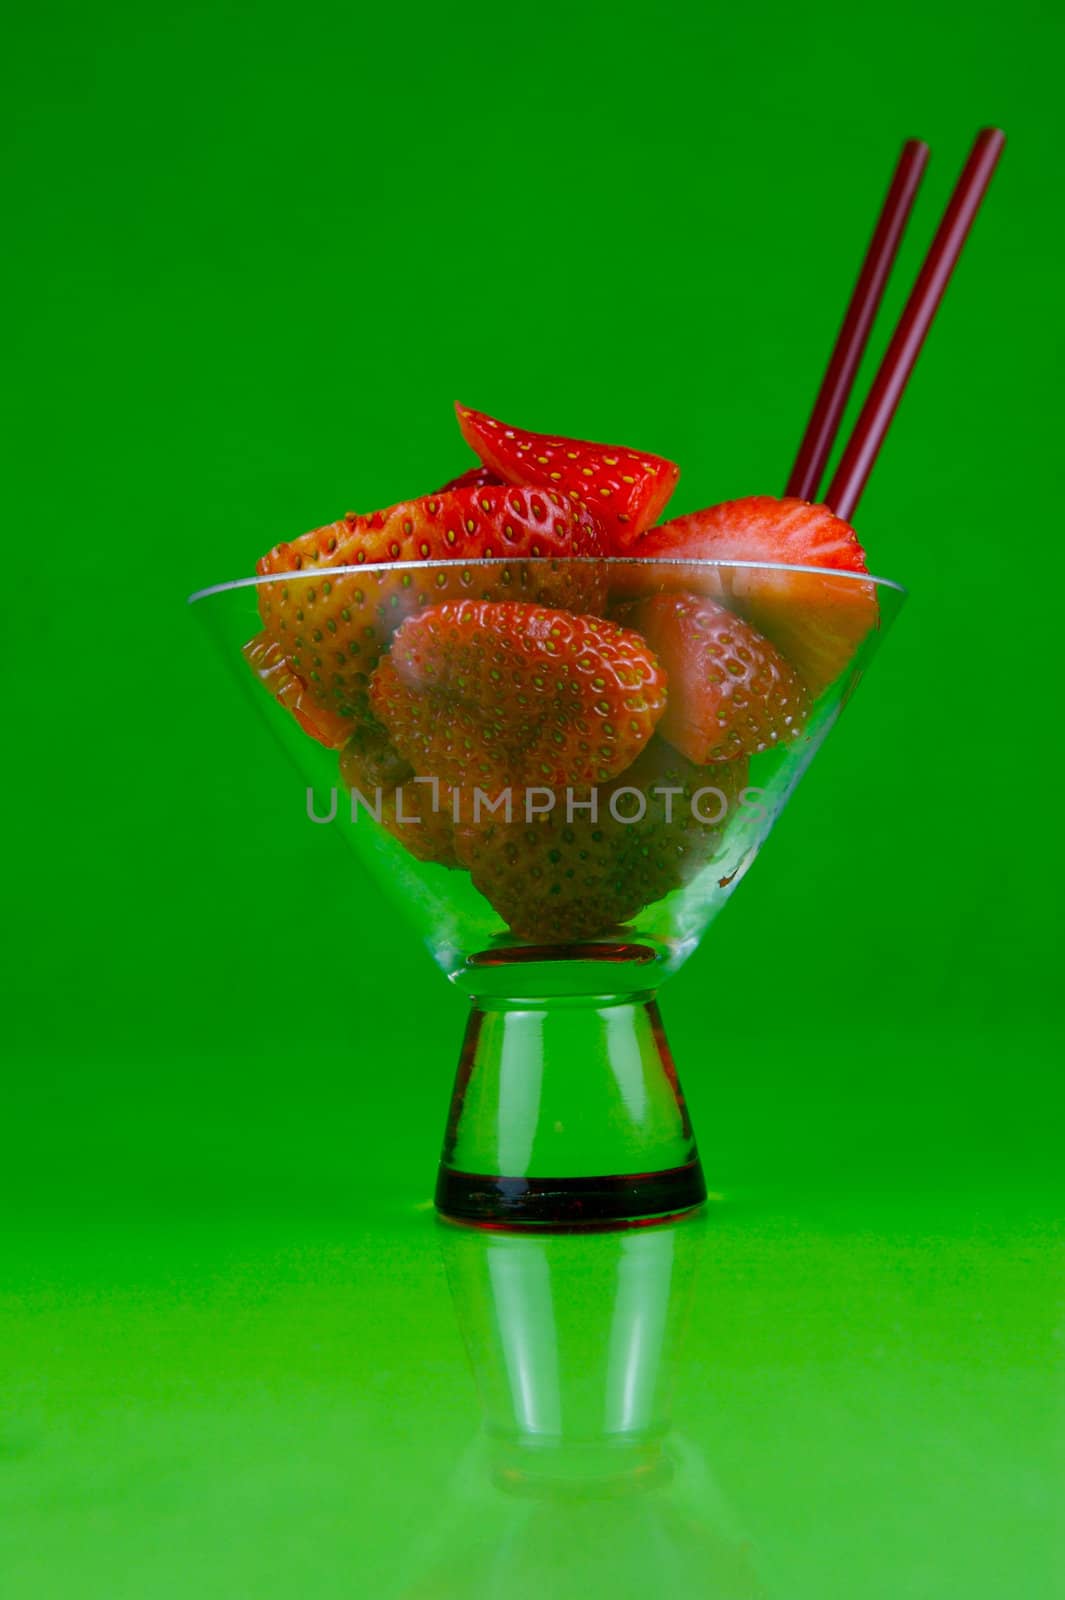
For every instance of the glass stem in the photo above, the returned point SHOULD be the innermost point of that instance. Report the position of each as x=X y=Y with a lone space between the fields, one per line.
x=567 y=1112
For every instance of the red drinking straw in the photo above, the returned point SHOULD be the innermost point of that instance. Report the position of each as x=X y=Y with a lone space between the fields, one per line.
x=853 y=471
x=864 y=304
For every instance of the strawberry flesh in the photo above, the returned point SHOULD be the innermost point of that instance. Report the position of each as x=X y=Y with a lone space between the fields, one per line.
x=761 y=528
x=625 y=490
x=503 y=693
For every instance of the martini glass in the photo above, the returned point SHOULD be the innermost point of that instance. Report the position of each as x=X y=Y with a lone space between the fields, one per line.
x=558 y=908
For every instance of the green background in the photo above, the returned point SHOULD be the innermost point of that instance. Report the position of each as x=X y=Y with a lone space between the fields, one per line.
x=256 y=252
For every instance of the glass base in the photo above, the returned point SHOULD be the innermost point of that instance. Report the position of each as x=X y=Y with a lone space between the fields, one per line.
x=615 y=1201
x=567 y=1114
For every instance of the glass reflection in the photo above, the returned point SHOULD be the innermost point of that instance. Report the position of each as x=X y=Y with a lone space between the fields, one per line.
x=578 y=1485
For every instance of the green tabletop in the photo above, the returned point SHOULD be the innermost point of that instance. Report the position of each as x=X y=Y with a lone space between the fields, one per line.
x=866 y=1402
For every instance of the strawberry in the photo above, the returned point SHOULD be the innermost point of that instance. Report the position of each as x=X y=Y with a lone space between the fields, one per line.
x=625 y=490
x=555 y=879
x=730 y=692
x=419 y=816
x=818 y=622
x=334 y=628
x=271 y=666
x=368 y=761
x=499 y=693
x=479 y=477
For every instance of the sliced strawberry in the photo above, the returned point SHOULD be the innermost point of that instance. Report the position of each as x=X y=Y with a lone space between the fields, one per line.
x=624 y=489
x=479 y=477
x=333 y=628
x=368 y=761
x=271 y=666
x=419 y=816
x=817 y=621
x=555 y=878
x=730 y=693
x=500 y=693
x=761 y=528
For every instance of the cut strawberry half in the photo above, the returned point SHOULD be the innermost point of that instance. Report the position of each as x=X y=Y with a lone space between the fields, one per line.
x=333 y=627
x=730 y=693
x=556 y=877
x=819 y=622
x=624 y=489
x=502 y=693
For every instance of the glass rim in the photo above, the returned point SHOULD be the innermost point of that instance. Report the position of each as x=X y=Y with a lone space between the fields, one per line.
x=434 y=564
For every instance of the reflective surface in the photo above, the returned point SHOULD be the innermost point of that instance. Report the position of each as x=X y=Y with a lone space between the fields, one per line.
x=803 y=1396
